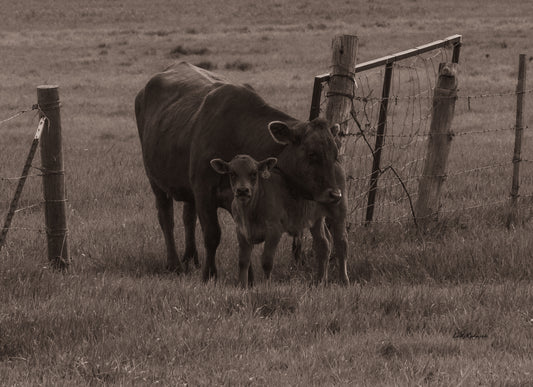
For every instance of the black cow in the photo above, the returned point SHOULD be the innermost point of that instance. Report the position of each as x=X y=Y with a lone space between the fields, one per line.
x=186 y=116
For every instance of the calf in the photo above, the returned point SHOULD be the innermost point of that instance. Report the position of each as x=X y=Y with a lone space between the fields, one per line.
x=265 y=209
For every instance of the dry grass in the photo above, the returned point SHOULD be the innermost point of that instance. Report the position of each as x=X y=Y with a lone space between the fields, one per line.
x=452 y=306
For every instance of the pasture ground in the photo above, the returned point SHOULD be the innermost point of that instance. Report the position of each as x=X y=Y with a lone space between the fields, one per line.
x=453 y=306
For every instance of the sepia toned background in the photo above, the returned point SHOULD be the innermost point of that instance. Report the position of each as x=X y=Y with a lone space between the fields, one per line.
x=446 y=307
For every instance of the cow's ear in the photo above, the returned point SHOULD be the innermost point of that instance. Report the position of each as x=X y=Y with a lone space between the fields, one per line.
x=335 y=130
x=265 y=166
x=220 y=166
x=280 y=132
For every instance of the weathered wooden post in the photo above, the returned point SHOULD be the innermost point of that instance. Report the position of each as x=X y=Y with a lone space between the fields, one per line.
x=53 y=177
x=439 y=144
x=519 y=129
x=341 y=82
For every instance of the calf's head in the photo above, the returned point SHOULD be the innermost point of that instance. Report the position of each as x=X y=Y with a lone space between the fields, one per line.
x=310 y=158
x=244 y=173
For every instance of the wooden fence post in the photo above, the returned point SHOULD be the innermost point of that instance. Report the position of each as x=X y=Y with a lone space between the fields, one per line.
x=439 y=144
x=53 y=177
x=519 y=129
x=341 y=82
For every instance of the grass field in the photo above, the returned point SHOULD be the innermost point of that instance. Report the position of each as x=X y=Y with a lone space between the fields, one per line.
x=449 y=307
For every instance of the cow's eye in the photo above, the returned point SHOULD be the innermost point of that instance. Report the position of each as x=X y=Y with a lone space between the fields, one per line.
x=232 y=175
x=253 y=175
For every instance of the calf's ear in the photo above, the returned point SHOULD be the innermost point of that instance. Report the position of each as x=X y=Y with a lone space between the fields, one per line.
x=220 y=166
x=280 y=132
x=335 y=130
x=265 y=166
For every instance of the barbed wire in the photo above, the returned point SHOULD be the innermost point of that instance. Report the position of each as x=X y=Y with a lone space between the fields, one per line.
x=29 y=207
x=521 y=204
x=39 y=230
x=19 y=113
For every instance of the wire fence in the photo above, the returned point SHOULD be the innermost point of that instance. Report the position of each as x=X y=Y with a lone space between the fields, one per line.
x=479 y=170
x=19 y=205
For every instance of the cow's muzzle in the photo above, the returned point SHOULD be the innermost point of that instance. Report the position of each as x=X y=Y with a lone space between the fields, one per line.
x=331 y=195
x=335 y=195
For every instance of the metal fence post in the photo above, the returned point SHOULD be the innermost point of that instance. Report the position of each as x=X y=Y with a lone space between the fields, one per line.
x=380 y=140
x=519 y=129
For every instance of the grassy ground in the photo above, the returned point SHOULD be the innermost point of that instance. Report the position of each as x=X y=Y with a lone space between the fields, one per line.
x=452 y=306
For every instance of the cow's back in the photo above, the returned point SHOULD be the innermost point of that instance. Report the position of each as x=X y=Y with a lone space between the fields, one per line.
x=233 y=120
x=165 y=110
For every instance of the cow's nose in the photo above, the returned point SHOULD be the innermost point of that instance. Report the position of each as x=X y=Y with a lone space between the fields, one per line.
x=242 y=192
x=335 y=194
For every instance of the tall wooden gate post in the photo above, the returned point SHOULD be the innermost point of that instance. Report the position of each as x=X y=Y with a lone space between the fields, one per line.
x=53 y=177
x=439 y=144
x=341 y=82
x=519 y=129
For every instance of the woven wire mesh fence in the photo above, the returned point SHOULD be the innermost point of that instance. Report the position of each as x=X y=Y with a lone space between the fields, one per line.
x=480 y=163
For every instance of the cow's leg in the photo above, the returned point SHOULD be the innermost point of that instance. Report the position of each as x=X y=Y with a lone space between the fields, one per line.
x=207 y=214
x=269 y=251
x=340 y=239
x=297 y=247
x=165 y=214
x=251 y=277
x=321 y=248
x=189 y=223
x=340 y=243
x=246 y=275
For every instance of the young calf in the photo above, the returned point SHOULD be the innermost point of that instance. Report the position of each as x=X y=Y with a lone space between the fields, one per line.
x=264 y=209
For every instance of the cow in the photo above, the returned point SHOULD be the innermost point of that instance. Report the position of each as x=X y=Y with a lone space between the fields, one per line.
x=186 y=116
x=264 y=208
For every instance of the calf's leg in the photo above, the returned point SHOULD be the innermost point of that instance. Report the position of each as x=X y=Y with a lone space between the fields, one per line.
x=297 y=247
x=246 y=275
x=269 y=251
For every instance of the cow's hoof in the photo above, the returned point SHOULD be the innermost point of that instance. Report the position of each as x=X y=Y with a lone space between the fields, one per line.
x=175 y=267
x=209 y=273
x=187 y=258
x=196 y=261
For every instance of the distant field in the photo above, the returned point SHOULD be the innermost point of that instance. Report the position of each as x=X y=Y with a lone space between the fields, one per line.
x=452 y=306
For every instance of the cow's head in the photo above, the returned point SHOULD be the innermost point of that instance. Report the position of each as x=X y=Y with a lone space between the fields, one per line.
x=310 y=158
x=244 y=173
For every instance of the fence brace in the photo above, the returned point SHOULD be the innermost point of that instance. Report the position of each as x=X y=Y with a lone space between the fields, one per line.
x=22 y=180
